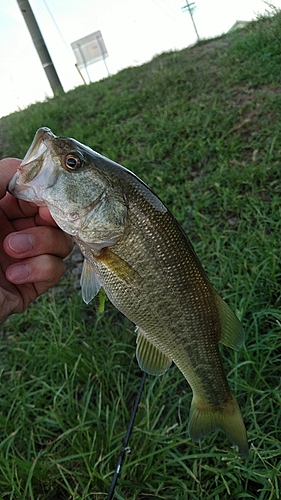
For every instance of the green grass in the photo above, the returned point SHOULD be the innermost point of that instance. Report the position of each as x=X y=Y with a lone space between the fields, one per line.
x=69 y=376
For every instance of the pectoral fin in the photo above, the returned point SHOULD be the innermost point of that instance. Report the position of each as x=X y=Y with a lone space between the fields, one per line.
x=89 y=283
x=150 y=359
x=119 y=267
x=232 y=334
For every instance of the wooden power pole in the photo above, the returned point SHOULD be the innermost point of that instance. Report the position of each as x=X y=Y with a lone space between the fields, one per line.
x=40 y=46
x=190 y=8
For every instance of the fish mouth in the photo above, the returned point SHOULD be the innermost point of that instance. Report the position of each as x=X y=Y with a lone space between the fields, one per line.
x=38 y=146
x=21 y=184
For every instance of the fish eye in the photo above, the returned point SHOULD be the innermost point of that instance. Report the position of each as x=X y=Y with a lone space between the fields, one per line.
x=73 y=162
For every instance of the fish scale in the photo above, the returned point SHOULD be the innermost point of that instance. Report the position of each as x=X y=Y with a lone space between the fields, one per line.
x=136 y=250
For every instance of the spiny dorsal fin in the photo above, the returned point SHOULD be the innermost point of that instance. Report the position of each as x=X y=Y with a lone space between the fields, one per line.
x=150 y=359
x=89 y=283
x=232 y=333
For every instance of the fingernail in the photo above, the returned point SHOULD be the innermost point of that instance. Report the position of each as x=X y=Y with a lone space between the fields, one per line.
x=17 y=273
x=20 y=243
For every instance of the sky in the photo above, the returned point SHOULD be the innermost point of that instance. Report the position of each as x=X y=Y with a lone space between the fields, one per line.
x=134 y=31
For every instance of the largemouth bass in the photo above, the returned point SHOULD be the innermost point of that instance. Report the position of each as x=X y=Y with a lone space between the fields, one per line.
x=136 y=250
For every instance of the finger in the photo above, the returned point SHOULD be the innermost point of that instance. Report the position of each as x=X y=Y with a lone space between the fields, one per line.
x=25 y=221
x=38 y=240
x=43 y=269
x=45 y=217
x=14 y=208
x=8 y=167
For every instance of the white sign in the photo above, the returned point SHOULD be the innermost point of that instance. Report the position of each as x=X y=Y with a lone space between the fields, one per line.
x=89 y=49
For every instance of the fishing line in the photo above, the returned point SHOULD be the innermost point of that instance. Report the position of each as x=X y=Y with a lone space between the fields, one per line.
x=126 y=440
x=139 y=394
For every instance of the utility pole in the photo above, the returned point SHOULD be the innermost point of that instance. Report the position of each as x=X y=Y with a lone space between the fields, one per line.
x=40 y=46
x=190 y=7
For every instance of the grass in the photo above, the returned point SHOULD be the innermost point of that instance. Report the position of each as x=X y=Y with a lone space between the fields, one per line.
x=69 y=376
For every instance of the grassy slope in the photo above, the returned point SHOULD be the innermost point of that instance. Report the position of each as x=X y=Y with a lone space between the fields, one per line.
x=68 y=377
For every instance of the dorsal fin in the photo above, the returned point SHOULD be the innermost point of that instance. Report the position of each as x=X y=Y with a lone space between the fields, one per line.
x=232 y=333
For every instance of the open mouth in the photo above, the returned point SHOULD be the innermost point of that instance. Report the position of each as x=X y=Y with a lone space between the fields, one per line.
x=30 y=179
x=39 y=145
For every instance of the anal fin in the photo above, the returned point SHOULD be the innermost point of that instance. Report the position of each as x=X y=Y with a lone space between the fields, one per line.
x=150 y=359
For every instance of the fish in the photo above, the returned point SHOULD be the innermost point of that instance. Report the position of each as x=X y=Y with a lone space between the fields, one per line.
x=137 y=252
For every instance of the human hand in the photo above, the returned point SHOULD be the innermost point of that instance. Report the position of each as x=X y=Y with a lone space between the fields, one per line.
x=32 y=248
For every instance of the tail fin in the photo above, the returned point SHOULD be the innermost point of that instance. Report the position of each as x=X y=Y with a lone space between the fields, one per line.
x=204 y=419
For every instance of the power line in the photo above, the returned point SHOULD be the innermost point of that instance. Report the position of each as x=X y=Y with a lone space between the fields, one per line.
x=57 y=27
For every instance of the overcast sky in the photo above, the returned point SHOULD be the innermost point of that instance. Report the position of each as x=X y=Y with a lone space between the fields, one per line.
x=133 y=32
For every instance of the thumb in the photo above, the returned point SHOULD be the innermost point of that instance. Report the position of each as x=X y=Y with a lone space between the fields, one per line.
x=8 y=167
